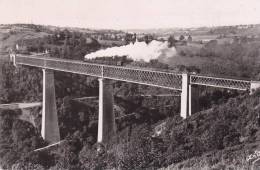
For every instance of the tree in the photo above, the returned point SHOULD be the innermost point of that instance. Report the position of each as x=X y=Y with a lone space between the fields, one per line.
x=181 y=38
x=171 y=41
x=148 y=38
x=128 y=38
x=189 y=38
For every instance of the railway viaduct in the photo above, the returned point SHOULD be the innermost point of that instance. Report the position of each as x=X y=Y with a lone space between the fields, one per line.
x=184 y=82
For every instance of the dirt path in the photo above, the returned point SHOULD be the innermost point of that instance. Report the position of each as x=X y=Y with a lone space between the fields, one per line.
x=20 y=105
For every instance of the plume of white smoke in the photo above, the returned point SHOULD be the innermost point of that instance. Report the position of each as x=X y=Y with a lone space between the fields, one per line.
x=138 y=51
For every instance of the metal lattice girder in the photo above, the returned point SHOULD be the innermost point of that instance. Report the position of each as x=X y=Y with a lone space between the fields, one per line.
x=74 y=67
x=71 y=66
x=146 y=77
x=220 y=82
x=140 y=76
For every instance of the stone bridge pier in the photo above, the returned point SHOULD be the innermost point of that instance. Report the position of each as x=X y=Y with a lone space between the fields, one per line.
x=106 y=118
x=189 y=97
x=50 y=128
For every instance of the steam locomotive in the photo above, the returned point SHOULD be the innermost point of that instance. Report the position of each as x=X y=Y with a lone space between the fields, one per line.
x=114 y=60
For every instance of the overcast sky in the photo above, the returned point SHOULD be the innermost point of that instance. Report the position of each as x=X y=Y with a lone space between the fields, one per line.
x=125 y=14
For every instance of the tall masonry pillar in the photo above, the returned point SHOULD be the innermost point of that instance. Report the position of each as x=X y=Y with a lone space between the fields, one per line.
x=50 y=128
x=106 y=117
x=185 y=96
x=193 y=99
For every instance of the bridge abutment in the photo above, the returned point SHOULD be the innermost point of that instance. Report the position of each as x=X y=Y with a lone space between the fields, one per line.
x=50 y=128
x=106 y=116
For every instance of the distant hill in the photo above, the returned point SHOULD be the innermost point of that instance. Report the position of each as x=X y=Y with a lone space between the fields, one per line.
x=245 y=29
x=11 y=34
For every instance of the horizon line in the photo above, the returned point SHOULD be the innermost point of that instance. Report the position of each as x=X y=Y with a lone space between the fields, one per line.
x=125 y=29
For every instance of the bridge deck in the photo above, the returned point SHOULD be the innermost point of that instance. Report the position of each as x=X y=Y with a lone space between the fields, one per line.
x=140 y=76
x=162 y=79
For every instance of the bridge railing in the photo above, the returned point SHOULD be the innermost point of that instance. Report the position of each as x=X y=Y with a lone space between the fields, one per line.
x=146 y=77
x=220 y=82
x=141 y=76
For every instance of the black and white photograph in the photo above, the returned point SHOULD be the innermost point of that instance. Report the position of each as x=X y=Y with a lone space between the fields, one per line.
x=129 y=85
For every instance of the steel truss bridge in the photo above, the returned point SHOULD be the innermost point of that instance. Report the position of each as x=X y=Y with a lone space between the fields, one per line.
x=163 y=79
x=186 y=83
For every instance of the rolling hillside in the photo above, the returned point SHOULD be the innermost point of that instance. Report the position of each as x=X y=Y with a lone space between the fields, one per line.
x=220 y=137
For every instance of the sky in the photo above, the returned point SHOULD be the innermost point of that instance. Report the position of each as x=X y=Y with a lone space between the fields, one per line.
x=130 y=14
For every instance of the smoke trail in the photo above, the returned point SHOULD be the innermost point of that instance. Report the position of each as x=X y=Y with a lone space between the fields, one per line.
x=137 y=51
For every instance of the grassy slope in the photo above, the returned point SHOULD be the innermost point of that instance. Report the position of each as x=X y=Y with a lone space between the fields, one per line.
x=239 y=113
x=8 y=39
x=231 y=158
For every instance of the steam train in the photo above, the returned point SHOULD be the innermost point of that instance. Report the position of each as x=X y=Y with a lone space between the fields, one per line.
x=114 y=60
